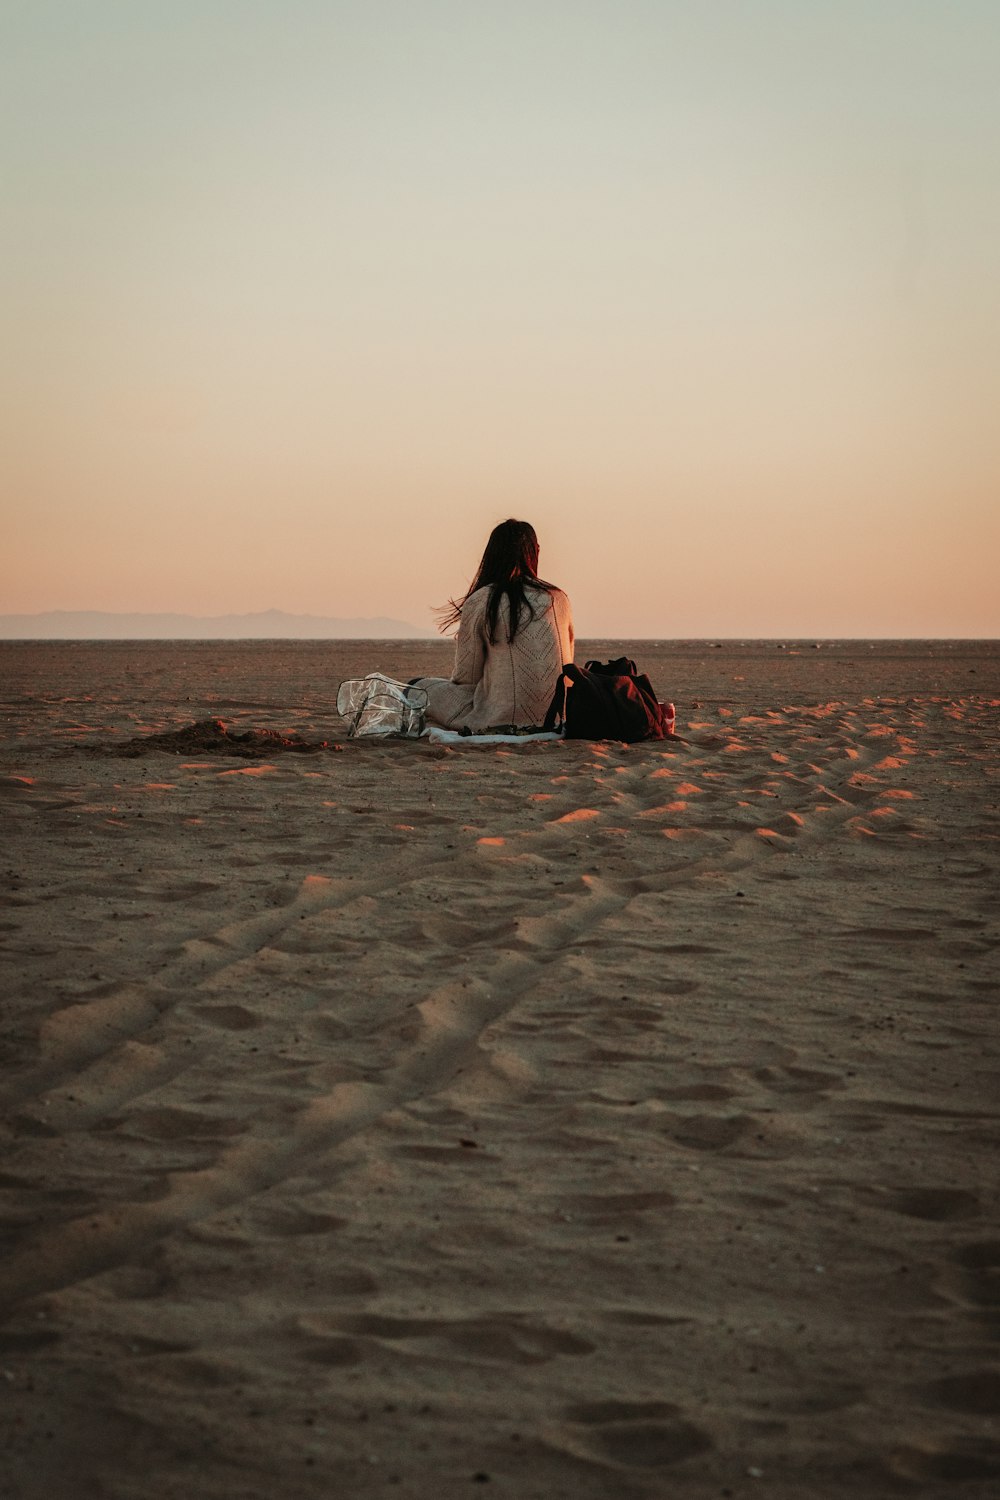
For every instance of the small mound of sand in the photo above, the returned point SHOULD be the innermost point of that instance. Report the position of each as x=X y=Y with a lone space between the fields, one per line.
x=211 y=737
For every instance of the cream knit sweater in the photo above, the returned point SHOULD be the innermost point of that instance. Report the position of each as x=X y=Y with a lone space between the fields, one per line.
x=501 y=682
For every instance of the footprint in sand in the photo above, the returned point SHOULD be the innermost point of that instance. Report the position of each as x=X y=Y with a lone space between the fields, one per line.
x=976 y=1277
x=977 y=1393
x=613 y=1208
x=888 y=934
x=960 y=1461
x=937 y=1205
x=625 y=1317
x=175 y=1124
x=695 y=1092
x=334 y=1353
x=141 y=1346
x=505 y=1337
x=628 y=1434
x=290 y=1223
x=458 y=1154
x=229 y=1017
x=795 y=1080
x=708 y=1132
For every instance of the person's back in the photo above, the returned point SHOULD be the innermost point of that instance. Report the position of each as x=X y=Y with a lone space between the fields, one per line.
x=504 y=676
x=516 y=678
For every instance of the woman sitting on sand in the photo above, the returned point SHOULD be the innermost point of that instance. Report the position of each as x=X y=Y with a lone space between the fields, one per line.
x=514 y=633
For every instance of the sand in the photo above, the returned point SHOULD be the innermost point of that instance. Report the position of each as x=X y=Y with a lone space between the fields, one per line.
x=551 y=1120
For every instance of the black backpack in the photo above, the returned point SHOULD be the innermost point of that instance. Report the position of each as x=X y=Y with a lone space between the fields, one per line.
x=606 y=701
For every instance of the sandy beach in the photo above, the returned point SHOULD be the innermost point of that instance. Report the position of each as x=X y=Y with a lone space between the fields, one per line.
x=559 y=1120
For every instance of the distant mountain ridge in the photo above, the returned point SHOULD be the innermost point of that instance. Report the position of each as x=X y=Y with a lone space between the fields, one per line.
x=268 y=624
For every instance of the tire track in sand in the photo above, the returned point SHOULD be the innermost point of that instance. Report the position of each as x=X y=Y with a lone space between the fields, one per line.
x=452 y=1018
x=438 y=1034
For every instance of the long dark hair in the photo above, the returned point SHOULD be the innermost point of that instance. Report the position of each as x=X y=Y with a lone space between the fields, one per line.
x=509 y=562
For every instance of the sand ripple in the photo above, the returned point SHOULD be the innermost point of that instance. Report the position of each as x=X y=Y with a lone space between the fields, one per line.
x=598 y=1120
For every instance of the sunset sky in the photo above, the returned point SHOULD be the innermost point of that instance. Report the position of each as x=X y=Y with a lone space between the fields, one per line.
x=299 y=299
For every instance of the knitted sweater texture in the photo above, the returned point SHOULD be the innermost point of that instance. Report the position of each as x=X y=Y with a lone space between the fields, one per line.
x=501 y=681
